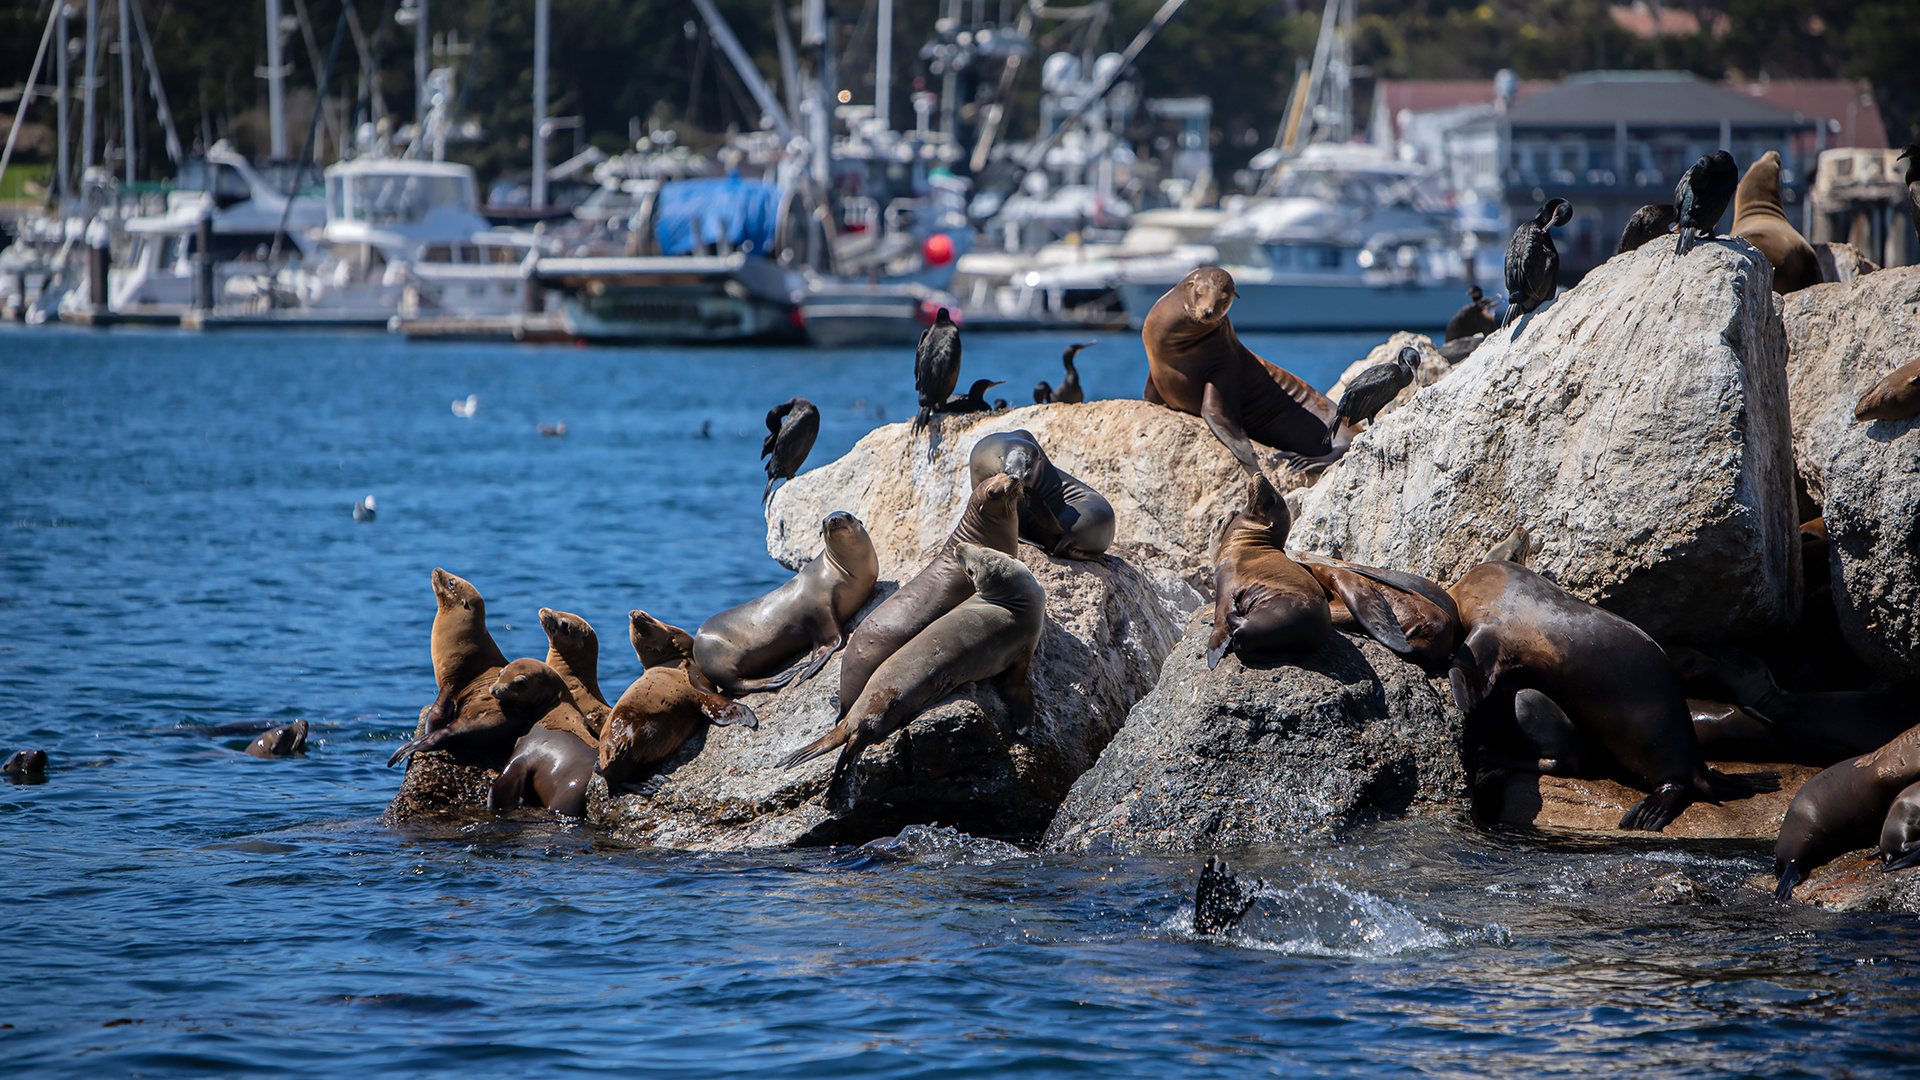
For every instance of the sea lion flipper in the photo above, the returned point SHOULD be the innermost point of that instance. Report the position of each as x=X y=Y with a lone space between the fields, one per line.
x=509 y=789
x=1475 y=666
x=831 y=740
x=1369 y=608
x=416 y=743
x=1906 y=859
x=1657 y=811
x=1790 y=875
x=1213 y=410
x=1513 y=549
x=1550 y=729
x=1220 y=898
x=1016 y=689
x=725 y=711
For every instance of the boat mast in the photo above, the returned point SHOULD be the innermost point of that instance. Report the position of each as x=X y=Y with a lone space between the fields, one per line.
x=63 y=180
x=126 y=90
x=93 y=80
x=541 y=17
x=883 y=66
x=276 y=85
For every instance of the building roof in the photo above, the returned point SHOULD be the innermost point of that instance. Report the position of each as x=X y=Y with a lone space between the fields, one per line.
x=1848 y=101
x=1647 y=99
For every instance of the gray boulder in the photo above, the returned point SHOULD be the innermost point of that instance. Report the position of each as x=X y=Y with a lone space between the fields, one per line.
x=1638 y=427
x=1244 y=755
x=1842 y=338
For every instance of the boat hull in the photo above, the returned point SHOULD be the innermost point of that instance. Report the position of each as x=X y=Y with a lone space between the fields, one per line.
x=1264 y=307
x=673 y=298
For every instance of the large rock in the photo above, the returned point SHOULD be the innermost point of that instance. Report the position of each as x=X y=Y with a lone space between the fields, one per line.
x=1579 y=805
x=1171 y=483
x=1855 y=882
x=1247 y=755
x=1842 y=262
x=1842 y=338
x=1638 y=427
x=1110 y=624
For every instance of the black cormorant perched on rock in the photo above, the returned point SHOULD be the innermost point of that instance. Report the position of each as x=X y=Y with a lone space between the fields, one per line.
x=1650 y=221
x=1370 y=390
x=1533 y=263
x=936 y=366
x=1460 y=348
x=1069 y=389
x=974 y=400
x=1911 y=155
x=1475 y=318
x=792 y=426
x=1042 y=392
x=1702 y=196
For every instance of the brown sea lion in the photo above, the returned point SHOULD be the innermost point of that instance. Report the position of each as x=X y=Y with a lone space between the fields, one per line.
x=1895 y=397
x=665 y=705
x=1761 y=220
x=489 y=722
x=465 y=662
x=1843 y=808
x=1606 y=675
x=1264 y=602
x=743 y=648
x=26 y=767
x=1900 y=832
x=1429 y=625
x=1728 y=732
x=990 y=520
x=553 y=761
x=573 y=651
x=1195 y=364
x=1058 y=513
x=283 y=741
x=1810 y=729
x=990 y=635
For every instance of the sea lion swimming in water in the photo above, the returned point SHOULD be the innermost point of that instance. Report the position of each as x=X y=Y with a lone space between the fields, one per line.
x=792 y=426
x=665 y=705
x=1843 y=808
x=1761 y=220
x=551 y=763
x=1533 y=263
x=742 y=648
x=26 y=767
x=990 y=635
x=1700 y=198
x=1647 y=223
x=573 y=652
x=936 y=366
x=1196 y=365
x=283 y=741
x=1601 y=672
x=992 y=520
x=1894 y=397
x=1059 y=514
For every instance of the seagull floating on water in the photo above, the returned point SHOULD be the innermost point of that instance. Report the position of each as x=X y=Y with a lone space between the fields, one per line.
x=551 y=430
x=466 y=409
x=363 y=510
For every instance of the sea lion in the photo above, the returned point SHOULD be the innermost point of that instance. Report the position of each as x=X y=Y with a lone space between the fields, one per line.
x=1059 y=514
x=490 y=721
x=936 y=366
x=1475 y=318
x=1533 y=263
x=1195 y=364
x=1810 y=729
x=573 y=652
x=1264 y=602
x=552 y=763
x=1700 y=198
x=1761 y=220
x=1728 y=732
x=1895 y=397
x=1900 y=833
x=1513 y=549
x=990 y=635
x=1843 y=808
x=992 y=520
x=1647 y=223
x=742 y=648
x=283 y=741
x=1606 y=674
x=792 y=426
x=1220 y=898
x=1069 y=392
x=26 y=767
x=1372 y=389
x=465 y=663
x=1429 y=625
x=665 y=705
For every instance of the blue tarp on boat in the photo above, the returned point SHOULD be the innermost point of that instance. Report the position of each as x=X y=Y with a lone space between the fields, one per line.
x=737 y=211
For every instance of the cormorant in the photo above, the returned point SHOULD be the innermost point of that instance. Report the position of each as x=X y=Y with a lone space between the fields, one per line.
x=1373 y=388
x=1648 y=222
x=936 y=366
x=974 y=400
x=1069 y=389
x=1042 y=392
x=1533 y=263
x=1911 y=155
x=1475 y=318
x=1702 y=196
x=792 y=426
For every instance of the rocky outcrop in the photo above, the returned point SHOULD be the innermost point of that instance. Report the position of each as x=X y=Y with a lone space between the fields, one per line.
x=1638 y=427
x=1432 y=367
x=1171 y=483
x=1253 y=754
x=437 y=784
x=1574 y=805
x=1842 y=338
x=1110 y=624
x=1855 y=882
x=1842 y=262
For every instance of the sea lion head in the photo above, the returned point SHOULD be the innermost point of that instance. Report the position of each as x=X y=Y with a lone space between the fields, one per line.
x=26 y=763
x=998 y=495
x=528 y=682
x=455 y=592
x=1021 y=455
x=567 y=631
x=655 y=642
x=1266 y=507
x=847 y=540
x=995 y=576
x=284 y=741
x=1893 y=397
x=1206 y=295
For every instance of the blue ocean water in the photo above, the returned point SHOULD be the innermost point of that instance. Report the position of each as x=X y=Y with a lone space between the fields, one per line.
x=179 y=569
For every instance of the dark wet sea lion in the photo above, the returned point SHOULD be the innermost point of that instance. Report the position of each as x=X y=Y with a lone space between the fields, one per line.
x=1728 y=732
x=663 y=707
x=792 y=427
x=1058 y=513
x=1429 y=625
x=1895 y=397
x=1650 y=222
x=990 y=636
x=743 y=648
x=1606 y=674
x=1760 y=219
x=1843 y=808
x=1700 y=198
x=283 y=741
x=26 y=767
x=991 y=519
x=1900 y=832
x=1220 y=898
x=1264 y=602
x=1533 y=263
x=1195 y=364
x=936 y=366
x=552 y=763
x=573 y=652
x=1475 y=318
